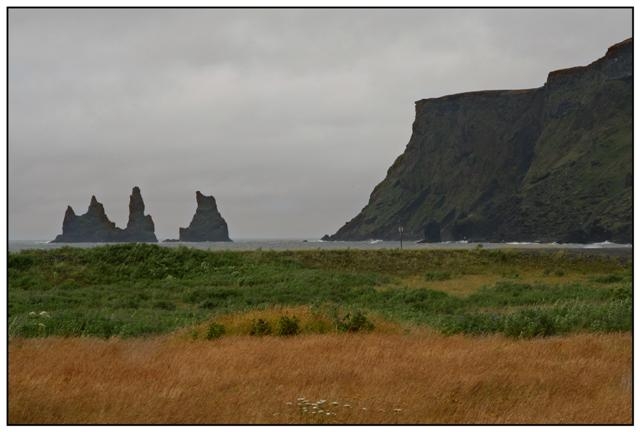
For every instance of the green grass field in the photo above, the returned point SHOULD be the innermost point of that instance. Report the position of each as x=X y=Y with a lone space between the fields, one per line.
x=140 y=289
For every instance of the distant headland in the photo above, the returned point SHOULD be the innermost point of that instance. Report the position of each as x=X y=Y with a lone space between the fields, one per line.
x=550 y=164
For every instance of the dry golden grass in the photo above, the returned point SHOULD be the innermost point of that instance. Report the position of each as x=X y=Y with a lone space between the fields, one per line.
x=384 y=378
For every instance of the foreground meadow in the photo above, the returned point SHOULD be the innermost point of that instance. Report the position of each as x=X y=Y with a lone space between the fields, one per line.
x=146 y=334
x=363 y=378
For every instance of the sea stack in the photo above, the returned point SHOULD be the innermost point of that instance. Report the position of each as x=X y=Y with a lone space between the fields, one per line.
x=207 y=223
x=95 y=227
x=140 y=227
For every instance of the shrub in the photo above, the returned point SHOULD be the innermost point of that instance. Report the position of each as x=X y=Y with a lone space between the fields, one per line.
x=288 y=326
x=529 y=323
x=68 y=285
x=607 y=279
x=209 y=304
x=437 y=276
x=164 y=305
x=471 y=323
x=215 y=331
x=354 y=323
x=556 y=272
x=20 y=261
x=260 y=327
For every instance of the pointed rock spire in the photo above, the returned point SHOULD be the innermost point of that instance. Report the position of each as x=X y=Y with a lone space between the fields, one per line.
x=69 y=215
x=95 y=226
x=207 y=223
x=139 y=227
x=136 y=204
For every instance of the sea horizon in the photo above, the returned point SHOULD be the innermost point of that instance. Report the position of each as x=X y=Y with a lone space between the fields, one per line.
x=314 y=244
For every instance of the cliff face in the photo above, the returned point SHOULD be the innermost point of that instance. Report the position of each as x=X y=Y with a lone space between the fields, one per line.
x=95 y=226
x=207 y=223
x=546 y=164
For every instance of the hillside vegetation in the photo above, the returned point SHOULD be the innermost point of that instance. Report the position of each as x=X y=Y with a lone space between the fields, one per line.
x=140 y=289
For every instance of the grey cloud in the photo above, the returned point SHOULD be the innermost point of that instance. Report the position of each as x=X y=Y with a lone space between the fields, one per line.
x=289 y=117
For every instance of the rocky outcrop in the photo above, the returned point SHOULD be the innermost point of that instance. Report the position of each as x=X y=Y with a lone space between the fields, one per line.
x=140 y=227
x=546 y=164
x=207 y=223
x=95 y=227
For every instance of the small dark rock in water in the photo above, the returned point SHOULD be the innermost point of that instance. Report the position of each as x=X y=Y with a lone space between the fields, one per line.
x=95 y=227
x=326 y=237
x=170 y=240
x=432 y=232
x=207 y=224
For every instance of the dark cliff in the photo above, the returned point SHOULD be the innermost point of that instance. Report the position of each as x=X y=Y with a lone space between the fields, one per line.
x=546 y=164
x=207 y=223
x=95 y=226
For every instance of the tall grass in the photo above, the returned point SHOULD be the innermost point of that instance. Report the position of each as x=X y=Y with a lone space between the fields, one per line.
x=356 y=378
x=138 y=289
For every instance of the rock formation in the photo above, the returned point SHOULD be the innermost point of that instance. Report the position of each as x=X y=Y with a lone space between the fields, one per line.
x=140 y=228
x=547 y=164
x=95 y=226
x=207 y=223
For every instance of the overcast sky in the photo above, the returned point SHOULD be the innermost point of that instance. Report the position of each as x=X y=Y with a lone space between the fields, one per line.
x=288 y=117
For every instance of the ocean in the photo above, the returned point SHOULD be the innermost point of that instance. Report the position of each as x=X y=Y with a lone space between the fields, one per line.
x=310 y=244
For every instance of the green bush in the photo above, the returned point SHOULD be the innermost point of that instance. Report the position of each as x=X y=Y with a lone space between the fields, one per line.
x=260 y=327
x=354 y=323
x=529 y=323
x=471 y=323
x=288 y=326
x=607 y=279
x=437 y=276
x=556 y=272
x=215 y=331
x=164 y=305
